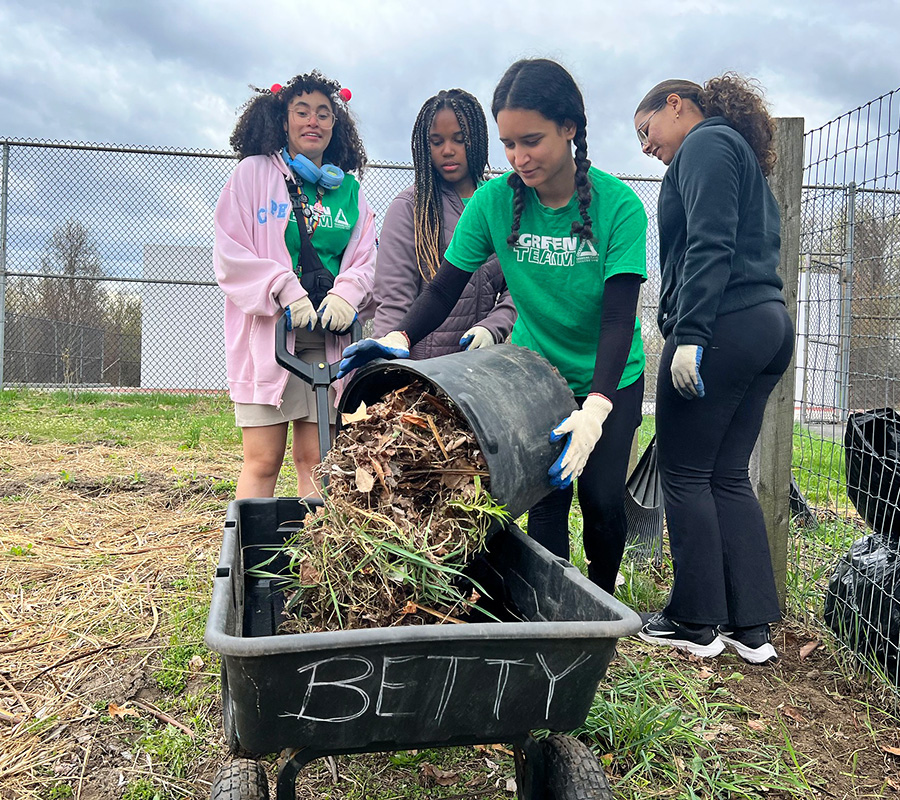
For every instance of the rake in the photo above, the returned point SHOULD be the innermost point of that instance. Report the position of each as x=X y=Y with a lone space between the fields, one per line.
x=644 y=508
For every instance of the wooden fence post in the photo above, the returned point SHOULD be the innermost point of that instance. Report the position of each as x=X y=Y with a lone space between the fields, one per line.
x=776 y=437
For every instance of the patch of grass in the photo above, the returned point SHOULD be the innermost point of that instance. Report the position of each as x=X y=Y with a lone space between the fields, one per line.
x=812 y=557
x=86 y=417
x=60 y=791
x=144 y=789
x=171 y=749
x=818 y=465
x=187 y=622
x=645 y=587
x=663 y=733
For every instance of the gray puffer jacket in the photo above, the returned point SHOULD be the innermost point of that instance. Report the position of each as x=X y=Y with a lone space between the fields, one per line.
x=398 y=282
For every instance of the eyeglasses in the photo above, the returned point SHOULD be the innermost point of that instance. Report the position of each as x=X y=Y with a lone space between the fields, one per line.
x=642 y=128
x=325 y=118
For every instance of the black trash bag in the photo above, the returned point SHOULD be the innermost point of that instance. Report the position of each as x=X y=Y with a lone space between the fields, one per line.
x=872 y=452
x=862 y=605
x=644 y=508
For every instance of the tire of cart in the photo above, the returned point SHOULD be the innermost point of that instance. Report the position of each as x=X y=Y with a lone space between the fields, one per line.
x=572 y=771
x=242 y=779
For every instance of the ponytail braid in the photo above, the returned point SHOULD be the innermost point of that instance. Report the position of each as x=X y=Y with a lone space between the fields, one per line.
x=518 y=186
x=582 y=186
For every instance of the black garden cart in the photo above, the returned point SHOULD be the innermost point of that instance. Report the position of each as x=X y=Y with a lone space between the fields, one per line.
x=311 y=695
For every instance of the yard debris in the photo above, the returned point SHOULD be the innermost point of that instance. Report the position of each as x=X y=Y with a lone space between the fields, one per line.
x=405 y=509
x=808 y=648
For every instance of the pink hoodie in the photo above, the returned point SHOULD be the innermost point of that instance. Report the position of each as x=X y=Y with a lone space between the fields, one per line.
x=254 y=270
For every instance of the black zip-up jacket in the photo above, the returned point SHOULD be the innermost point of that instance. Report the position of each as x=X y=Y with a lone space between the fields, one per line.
x=719 y=233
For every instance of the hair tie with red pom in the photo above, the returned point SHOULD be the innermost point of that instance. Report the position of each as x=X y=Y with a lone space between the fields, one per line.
x=276 y=88
x=345 y=94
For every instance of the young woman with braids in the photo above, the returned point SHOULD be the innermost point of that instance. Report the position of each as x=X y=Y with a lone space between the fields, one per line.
x=298 y=139
x=571 y=241
x=449 y=149
x=728 y=339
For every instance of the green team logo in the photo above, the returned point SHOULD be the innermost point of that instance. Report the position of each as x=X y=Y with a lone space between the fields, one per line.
x=338 y=220
x=559 y=251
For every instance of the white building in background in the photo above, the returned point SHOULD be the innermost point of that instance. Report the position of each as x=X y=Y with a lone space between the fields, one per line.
x=818 y=378
x=182 y=325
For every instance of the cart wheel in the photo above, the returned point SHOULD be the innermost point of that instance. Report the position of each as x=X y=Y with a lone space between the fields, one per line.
x=242 y=779
x=572 y=771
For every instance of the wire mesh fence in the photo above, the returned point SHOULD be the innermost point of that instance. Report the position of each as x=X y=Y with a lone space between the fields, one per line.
x=107 y=279
x=848 y=378
x=106 y=283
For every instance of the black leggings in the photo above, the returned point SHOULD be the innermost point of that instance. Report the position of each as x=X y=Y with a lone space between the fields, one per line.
x=723 y=571
x=601 y=494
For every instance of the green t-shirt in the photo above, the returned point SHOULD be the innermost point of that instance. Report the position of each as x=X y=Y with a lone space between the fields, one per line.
x=336 y=223
x=555 y=279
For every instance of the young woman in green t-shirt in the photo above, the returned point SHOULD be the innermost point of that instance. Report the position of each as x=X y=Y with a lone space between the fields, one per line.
x=571 y=241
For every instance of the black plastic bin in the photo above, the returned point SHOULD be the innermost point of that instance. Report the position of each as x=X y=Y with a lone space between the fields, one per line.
x=512 y=399
x=409 y=687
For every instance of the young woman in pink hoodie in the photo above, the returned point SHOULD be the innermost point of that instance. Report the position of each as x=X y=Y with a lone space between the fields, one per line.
x=294 y=139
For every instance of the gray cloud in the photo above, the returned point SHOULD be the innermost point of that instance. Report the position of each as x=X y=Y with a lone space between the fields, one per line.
x=174 y=74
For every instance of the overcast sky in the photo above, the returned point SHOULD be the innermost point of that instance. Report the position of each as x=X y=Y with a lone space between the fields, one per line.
x=165 y=73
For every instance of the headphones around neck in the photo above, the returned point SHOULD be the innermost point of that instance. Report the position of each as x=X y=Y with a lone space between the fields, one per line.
x=328 y=176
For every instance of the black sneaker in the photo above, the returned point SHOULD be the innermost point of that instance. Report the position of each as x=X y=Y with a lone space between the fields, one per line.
x=753 y=644
x=700 y=640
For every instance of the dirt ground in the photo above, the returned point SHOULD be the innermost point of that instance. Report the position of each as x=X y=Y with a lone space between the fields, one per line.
x=842 y=728
x=98 y=541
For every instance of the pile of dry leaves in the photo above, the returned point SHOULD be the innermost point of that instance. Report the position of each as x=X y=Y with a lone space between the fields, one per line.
x=405 y=509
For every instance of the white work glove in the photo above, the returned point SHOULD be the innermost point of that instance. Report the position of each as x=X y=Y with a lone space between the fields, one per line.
x=392 y=345
x=476 y=337
x=584 y=428
x=686 y=371
x=336 y=314
x=301 y=314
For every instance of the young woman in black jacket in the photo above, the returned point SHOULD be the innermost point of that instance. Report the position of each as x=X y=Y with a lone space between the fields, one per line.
x=728 y=339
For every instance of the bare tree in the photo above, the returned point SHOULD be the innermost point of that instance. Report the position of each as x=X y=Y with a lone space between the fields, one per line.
x=76 y=298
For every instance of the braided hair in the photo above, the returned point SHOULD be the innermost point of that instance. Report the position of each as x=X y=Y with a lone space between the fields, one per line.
x=260 y=130
x=729 y=95
x=428 y=215
x=546 y=87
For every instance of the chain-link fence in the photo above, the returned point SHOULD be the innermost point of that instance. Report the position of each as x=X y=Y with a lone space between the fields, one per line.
x=106 y=274
x=848 y=362
x=106 y=282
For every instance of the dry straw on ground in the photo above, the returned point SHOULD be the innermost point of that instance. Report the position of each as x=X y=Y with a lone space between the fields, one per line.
x=90 y=544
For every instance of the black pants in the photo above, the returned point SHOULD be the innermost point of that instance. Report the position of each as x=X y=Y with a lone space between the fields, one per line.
x=723 y=571
x=601 y=494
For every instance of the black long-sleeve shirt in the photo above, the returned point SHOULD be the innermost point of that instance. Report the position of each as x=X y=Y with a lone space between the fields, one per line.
x=620 y=297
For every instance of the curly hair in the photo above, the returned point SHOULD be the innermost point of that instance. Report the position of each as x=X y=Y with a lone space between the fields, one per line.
x=729 y=95
x=546 y=87
x=429 y=207
x=260 y=130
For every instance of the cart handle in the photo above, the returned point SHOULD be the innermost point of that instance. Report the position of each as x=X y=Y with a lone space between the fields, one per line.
x=319 y=374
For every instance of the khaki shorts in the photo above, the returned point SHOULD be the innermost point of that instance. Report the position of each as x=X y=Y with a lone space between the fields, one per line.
x=299 y=400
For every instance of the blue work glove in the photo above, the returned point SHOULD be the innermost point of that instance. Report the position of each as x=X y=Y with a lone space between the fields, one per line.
x=584 y=429
x=301 y=314
x=476 y=337
x=686 y=371
x=336 y=314
x=392 y=345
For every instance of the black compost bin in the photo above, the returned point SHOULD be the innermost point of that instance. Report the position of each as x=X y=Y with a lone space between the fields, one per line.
x=410 y=687
x=872 y=452
x=510 y=396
